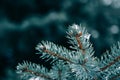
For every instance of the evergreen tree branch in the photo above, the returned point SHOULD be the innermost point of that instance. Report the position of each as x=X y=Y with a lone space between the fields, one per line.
x=53 y=51
x=36 y=73
x=32 y=70
x=57 y=55
x=79 y=64
x=110 y=64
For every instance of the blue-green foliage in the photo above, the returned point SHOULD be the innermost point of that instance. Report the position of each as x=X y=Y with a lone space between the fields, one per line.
x=78 y=64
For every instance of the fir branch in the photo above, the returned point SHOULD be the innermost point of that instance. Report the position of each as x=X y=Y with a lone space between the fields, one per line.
x=110 y=64
x=32 y=70
x=65 y=59
x=57 y=55
x=36 y=73
x=79 y=64
x=43 y=47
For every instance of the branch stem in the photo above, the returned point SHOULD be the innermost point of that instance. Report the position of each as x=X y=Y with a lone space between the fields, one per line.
x=57 y=55
x=111 y=63
x=36 y=73
x=79 y=42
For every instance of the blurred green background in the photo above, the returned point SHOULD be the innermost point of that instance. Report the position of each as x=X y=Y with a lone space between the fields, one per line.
x=24 y=23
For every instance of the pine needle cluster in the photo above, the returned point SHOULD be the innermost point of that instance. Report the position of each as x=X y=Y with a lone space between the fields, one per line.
x=79 y=63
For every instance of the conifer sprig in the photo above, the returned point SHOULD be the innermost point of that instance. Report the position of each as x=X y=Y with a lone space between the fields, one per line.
x=76 y=64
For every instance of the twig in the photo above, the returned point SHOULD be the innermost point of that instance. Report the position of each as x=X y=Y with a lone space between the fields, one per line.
x=79 y=42
x=57 y=55
x=110 y=64
x=36 y=73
